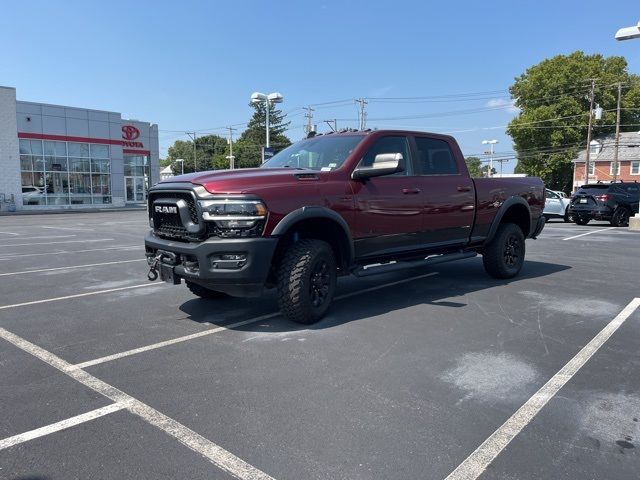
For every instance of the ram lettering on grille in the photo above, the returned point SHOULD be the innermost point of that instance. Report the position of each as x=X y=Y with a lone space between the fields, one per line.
x=165 y=209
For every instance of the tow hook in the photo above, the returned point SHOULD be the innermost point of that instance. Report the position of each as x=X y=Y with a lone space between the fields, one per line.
x=153 y=267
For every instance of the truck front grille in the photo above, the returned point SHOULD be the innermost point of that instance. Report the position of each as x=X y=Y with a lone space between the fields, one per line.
x=169 y=225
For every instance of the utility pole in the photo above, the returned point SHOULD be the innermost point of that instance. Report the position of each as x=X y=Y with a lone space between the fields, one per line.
x=362 y=115
x=588 y=157
x=232 y=163
x=309 y=116
x=192 y=136
x=334 y=127
x=615 y=152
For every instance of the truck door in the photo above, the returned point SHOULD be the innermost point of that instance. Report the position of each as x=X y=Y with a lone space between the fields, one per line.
x=388 y=208
x=449 y=193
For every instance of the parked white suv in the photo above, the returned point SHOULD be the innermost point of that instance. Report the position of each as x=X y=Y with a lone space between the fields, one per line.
x=556 y=205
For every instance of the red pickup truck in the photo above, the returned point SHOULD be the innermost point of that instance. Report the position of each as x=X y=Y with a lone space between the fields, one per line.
x=355 y=202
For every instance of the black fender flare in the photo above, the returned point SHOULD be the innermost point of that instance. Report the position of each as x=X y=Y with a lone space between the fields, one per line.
x=307 y=213
x=511 y=201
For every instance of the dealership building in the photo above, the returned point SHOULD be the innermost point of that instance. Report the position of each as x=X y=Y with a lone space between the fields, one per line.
x=59 y=157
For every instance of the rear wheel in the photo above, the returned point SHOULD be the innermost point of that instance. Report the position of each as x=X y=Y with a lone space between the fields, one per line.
x=568 y=218
x=504 y=255
x=204 y=292
x=581 y=221
x=620 y=217
x=307 y=281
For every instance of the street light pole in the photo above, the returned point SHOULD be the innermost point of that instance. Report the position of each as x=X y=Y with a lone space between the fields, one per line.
x=491 y=143
x=275 y=97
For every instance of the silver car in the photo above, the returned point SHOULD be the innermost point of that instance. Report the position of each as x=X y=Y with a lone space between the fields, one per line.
x=556 y=205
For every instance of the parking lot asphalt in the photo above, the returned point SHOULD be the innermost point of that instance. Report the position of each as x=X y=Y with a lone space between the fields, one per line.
x=438 y=373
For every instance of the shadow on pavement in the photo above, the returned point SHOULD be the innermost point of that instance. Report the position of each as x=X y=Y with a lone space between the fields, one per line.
x=454 y=279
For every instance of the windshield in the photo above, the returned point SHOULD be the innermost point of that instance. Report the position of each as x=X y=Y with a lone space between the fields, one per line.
x=324 y=153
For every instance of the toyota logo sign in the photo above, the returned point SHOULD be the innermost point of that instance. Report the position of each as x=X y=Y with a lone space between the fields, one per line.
x=129 y=132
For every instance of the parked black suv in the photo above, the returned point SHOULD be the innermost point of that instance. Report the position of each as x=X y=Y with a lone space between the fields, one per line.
x=614 y=202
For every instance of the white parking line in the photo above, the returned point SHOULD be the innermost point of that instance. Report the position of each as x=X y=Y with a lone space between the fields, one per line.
x=588 y=233
x=173 y=341
x=52 y=243
x=476 y=463
x=211 y=451
x=8 y=233
x=72 y=267
x=78 y=295
x=37 y=238
x=61 y=425
x=68 y=228
x=8 y=256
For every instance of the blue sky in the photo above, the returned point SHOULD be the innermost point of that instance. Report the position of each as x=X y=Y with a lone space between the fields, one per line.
x=193 y=65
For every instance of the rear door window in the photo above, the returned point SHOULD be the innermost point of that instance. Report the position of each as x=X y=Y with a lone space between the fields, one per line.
x=435 y=157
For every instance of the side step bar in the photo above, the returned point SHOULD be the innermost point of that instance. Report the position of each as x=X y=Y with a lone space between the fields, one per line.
x=368 y=270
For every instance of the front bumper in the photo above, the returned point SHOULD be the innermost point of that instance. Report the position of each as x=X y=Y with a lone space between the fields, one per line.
x=201 y=264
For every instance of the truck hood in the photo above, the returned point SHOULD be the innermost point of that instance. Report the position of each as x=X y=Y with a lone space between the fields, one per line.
x=246 y=180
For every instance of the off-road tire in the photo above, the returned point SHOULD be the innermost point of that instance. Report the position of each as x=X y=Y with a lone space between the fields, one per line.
x=306 y=281
x=204 y=292
x=581 y=221
x=504 y=255
x=620 y=217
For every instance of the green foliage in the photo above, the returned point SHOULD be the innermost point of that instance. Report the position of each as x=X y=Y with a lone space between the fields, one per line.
x=474 y=164
x=553 y=98
x=248 y=148
x=210 y=152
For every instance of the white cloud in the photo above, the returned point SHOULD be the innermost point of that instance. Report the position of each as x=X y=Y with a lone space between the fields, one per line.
x=501 y=102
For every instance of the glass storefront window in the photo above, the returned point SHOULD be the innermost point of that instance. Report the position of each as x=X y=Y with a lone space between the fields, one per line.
x=63 y=173
x=78 y=149
x=99 y=151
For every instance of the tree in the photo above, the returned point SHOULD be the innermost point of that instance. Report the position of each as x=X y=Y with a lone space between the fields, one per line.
x=474 y=164
x=553 y=100
x=211 y=151
x=248 y=148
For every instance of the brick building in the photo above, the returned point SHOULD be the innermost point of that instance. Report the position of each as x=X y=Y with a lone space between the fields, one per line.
x=601 y=161
x=57 y=157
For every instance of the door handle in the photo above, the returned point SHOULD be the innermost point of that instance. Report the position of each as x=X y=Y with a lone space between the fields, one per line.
x=464 y=189
x=410 y=191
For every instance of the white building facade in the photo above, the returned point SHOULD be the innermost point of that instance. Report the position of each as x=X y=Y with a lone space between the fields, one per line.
x=58 y=157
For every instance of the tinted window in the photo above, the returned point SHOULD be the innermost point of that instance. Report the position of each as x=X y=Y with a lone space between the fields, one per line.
x=395 y=144
x=593 y=189
x=435 y=157
x=633 y=189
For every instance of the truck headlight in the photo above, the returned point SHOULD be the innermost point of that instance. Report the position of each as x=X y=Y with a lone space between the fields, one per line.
x=234 y=216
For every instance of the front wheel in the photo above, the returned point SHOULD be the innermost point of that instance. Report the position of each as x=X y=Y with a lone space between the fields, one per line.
x=307 y=281
x=504 y=255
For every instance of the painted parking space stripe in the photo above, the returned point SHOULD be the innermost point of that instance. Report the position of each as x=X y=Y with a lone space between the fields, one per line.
x=38 y=237
x=476 y=463
x=72 y=267
x=79 y=295
x=8 y=233
x=211 y=331
x=52 y=243
x=589 y=233
x=68 y=228
x=217 y=455
x=8 y=256
x=61 y=425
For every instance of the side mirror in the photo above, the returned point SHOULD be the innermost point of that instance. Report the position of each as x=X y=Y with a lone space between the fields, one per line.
x=383 y=164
